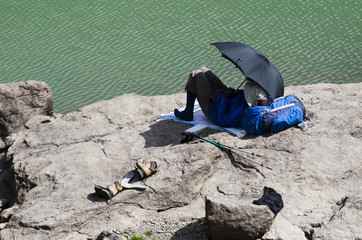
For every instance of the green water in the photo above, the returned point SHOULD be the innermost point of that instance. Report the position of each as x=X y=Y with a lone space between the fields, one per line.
x=88 y=51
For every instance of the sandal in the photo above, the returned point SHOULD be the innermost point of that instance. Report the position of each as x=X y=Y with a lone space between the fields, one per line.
x=109 y=191
x=146 y=170
x=130 y=180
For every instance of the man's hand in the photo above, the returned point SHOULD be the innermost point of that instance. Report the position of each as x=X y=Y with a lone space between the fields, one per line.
x=230 y=93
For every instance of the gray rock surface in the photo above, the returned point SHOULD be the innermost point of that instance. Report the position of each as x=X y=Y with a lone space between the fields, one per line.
x=231 y=215
x=54 y=162
x=19 y=102
x=283 y=229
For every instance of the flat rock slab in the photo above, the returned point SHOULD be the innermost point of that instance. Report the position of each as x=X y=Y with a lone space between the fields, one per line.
x=55 y=162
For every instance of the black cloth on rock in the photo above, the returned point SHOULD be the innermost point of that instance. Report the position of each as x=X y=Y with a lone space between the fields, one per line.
x=272 y=199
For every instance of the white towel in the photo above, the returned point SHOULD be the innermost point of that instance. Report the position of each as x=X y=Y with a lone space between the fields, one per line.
x=200 y=118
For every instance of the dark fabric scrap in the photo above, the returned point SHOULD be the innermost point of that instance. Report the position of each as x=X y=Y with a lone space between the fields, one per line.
x=272 y=199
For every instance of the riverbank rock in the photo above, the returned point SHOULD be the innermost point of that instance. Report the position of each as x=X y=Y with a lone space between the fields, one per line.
x=52 y=165
x=19 y=102
x=231 y=215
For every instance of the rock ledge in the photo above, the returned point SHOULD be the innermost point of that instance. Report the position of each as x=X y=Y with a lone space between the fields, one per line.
x=50 y=163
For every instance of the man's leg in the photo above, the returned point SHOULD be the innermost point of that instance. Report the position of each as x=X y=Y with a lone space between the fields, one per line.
x=188 y=113
x=204 y=85
x=208 y=86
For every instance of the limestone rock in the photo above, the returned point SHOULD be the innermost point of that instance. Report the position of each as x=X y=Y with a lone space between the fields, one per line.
x=282 y=229
x=52 y=164
x=335 y=221
x=20 y=101
x=231 y=215
x=343 y=224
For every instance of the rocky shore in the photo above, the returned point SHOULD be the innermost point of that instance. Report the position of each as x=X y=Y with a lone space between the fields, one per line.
x=50 y=162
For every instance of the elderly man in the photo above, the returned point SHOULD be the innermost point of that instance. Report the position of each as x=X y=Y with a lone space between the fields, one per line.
x=222 y=105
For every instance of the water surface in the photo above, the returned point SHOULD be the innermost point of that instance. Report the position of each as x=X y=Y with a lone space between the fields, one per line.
x=88 y=51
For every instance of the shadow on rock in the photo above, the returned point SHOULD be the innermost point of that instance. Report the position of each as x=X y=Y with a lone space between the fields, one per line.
x=241 y=165
x=163 y=133
x=196 y=230
x=94 y=198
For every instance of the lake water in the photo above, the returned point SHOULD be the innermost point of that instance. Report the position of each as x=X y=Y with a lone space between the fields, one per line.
x=88 y=51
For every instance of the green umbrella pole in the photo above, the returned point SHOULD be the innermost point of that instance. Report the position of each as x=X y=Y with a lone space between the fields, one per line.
x=240 y=150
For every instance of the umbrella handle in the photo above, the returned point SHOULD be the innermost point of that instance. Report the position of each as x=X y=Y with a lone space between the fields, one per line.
x=241 y=84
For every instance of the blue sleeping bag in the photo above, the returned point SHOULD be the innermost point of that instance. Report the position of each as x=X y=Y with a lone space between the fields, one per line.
x=282 y=113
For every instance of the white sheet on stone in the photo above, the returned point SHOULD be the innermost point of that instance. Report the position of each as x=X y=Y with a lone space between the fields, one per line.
x=200 y=118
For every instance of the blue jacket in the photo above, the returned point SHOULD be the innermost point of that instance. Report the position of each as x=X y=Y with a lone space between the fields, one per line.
x=227 y=112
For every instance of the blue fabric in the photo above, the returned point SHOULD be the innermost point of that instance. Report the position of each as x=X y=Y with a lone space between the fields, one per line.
x=289 y=117
x=227 y=112
x=252 y=119
x=257 y=120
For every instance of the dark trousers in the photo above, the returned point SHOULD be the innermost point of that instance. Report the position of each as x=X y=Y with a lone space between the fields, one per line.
x=206 y=86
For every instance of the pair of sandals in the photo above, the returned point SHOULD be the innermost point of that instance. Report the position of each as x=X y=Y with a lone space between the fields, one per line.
x=129 y=181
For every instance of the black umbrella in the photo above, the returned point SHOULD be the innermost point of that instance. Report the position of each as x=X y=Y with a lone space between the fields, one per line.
x=254 y=65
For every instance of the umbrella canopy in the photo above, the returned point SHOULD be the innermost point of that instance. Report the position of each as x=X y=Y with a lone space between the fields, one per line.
x=254 y=65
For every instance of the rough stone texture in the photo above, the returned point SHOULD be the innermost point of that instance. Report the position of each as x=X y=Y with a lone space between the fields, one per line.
x=54 y=163
x=283 y=229
x=19 y=102
x=330 y=222
x=231 y=215
x=349 y=212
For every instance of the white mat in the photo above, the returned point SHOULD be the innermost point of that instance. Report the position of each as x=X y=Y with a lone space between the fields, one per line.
x=200 y=118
